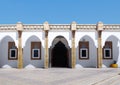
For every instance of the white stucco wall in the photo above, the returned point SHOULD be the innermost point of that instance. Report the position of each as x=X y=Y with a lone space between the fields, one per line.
x=53 y=34
x=29 y=37
x=91 y=37
x=6 y=37
x=115 y=38
x=13 y=35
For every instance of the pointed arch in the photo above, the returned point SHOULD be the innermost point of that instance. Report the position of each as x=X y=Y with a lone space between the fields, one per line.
x=115 y=50
x=60 y=46
x=27 y=52
x=60 y=38
x=4 y=52
x=92 y=52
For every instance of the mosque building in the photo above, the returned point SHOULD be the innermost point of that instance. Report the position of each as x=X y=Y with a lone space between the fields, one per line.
x=59 y=45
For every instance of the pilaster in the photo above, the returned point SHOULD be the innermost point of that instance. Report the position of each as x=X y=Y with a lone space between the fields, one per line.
x=20 y=54
x=99 y=51
x=46 y=57
x=73 y=29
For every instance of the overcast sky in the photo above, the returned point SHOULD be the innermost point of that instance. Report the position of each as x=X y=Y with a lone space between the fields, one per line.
x=59 y=11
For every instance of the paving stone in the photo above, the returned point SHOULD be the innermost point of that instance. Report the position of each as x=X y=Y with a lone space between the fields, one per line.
x=60 y=76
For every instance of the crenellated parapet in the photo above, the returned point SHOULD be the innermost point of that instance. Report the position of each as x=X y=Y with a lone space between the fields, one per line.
x=111 y=27
x=59 y=27
x=86 y=27
x=33 y=27
x=8 y=27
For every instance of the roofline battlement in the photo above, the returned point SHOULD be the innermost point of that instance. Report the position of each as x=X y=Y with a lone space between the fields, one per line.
x=82 y=27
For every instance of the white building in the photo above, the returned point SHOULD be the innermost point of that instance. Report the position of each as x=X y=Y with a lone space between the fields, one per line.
x=59 y=45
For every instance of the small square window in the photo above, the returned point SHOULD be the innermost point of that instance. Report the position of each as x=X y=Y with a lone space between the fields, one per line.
x=107 y=53
x=35 y=50
x=107 y=50
x=13 y=53
x=83 y=50
x=84 y=53
x=35 y=53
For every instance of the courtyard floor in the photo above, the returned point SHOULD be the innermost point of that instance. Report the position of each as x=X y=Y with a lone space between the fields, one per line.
x=60 y=76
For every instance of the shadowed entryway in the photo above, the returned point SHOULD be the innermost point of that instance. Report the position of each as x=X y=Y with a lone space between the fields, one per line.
x=59 y=55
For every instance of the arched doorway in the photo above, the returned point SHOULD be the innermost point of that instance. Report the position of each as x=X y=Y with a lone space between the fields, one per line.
x=59 y=53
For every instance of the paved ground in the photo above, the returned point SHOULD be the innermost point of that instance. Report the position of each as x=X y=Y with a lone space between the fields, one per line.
x=60 y=76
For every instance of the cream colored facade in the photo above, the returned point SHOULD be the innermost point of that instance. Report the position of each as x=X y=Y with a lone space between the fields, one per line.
x=61 y=36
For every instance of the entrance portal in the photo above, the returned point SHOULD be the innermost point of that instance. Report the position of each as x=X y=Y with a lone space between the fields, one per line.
x=59 y=56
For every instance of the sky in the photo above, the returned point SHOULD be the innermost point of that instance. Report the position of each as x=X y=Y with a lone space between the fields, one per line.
x=59 y=11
